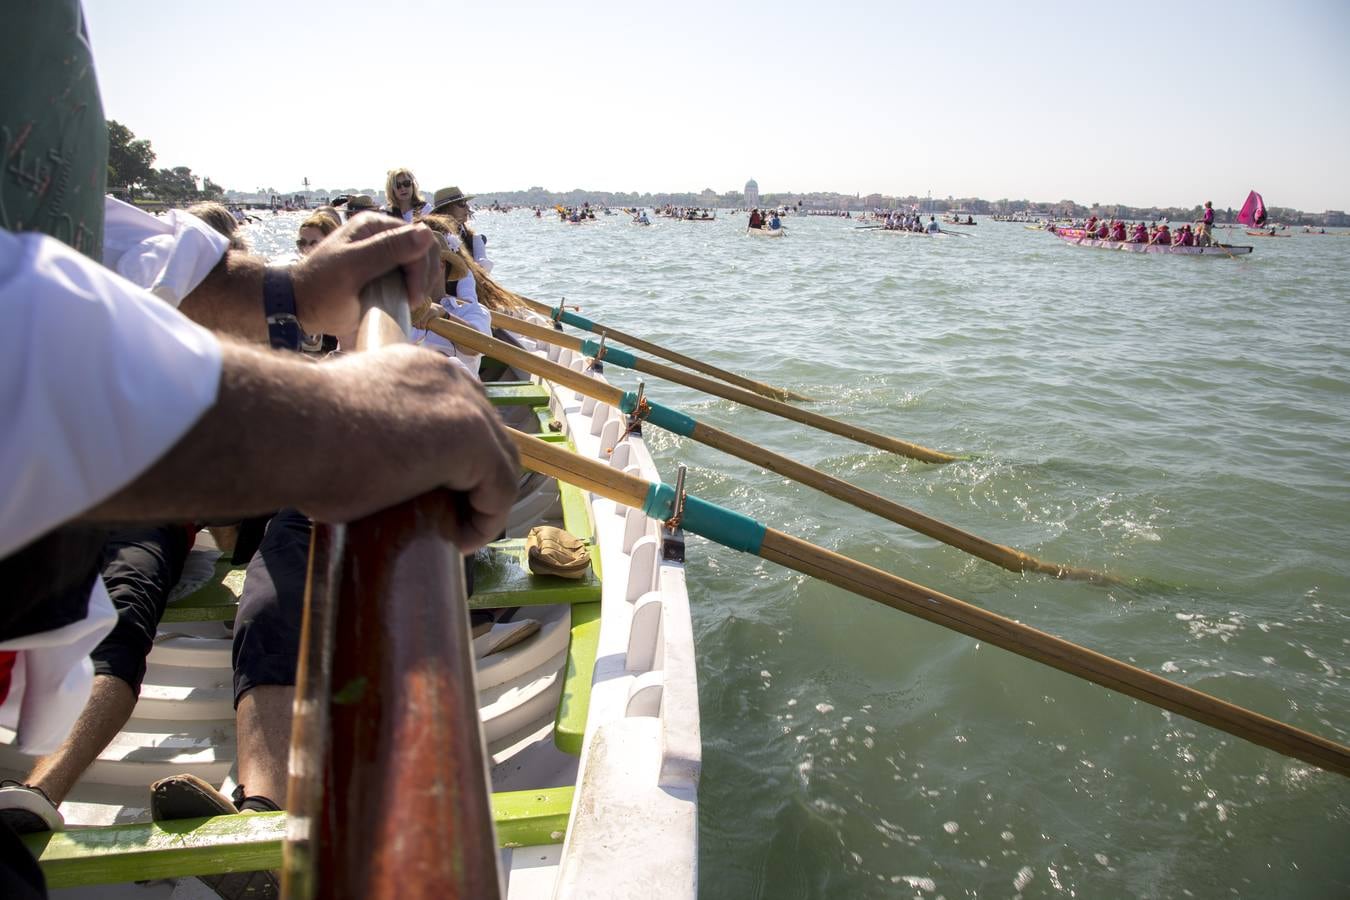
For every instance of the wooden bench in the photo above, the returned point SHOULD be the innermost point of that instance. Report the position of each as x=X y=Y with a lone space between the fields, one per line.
x=244 y=843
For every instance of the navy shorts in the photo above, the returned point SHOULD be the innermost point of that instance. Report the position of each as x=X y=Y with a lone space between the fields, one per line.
x=267 y=625
x=272 y=606
x=140 y=568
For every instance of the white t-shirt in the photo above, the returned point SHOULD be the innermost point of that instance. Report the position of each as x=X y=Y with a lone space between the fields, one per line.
x=98 y=379
x=471 y=314
x=167 y=255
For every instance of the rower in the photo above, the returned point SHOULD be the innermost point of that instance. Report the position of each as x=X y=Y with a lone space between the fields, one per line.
x=405 y=202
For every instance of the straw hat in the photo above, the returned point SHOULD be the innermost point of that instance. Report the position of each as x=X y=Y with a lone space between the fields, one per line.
x=360 y=202
x=448 y=196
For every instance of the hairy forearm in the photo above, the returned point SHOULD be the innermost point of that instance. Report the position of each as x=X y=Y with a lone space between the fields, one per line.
x=336 y=440
x=229 y=300
x=244 y=456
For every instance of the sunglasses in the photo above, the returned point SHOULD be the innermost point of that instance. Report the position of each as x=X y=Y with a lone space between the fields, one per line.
x=302 y=244
x=403 y=184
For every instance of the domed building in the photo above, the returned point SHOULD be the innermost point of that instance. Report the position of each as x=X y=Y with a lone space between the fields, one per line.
x=751 y=194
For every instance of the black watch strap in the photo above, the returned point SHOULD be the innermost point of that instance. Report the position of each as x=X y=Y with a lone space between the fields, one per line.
x=283 y=328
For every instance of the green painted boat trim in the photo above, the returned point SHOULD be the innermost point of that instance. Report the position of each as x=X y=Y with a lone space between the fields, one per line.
x=532 y=818
x=244 y=843
x=574 y=705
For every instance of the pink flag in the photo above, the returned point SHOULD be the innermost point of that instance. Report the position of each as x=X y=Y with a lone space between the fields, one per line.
x=1253 y=211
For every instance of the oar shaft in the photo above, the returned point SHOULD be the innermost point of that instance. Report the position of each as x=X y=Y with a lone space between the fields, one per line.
x=750 y=384
x=472 y=339
x=970 y=620
x=998 y=554
x=686 y=426
x=948 y=612
x=728 y=392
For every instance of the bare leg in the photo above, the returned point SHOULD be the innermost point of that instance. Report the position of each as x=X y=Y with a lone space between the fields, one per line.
x=263 y=727
x=110 y=704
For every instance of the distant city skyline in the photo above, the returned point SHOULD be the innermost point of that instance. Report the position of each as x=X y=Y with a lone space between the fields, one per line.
x=1027 y=101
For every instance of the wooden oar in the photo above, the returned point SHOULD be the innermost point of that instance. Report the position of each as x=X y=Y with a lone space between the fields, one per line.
x=585 y=324
x=1209 y=232
x=623 y=358
x=389 y=793
x=687 y=426
x=745 y=534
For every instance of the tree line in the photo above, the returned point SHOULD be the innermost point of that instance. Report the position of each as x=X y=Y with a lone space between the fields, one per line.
x=132 y=175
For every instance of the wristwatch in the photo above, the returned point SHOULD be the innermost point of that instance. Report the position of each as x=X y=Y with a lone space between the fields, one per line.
x=283 y=328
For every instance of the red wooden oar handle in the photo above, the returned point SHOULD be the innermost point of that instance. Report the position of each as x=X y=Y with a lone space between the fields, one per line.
x=389 y=791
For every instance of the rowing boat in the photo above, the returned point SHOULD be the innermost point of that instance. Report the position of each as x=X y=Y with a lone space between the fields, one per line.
x=766 y=232
x=1264 y=234
x=592 y=723
x=905 y=232
x=1078 y=238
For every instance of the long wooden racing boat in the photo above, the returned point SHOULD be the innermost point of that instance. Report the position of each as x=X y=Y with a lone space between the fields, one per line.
x=766 y=232
x=1078 y=238
x=591 y=724
x=1266 y=234
x=905 y=232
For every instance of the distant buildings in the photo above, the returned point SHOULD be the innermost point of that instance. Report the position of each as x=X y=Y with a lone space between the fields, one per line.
x=751 y=194
x=1336 y=217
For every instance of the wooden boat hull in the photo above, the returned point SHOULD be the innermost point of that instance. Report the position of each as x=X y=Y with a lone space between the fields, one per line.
x=1265 y=234
x=1079 y=240
x=766 y=232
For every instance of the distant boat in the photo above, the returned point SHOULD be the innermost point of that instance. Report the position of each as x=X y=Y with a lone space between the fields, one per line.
x=1265 y=234
x=766 y=232
x=1078 y=238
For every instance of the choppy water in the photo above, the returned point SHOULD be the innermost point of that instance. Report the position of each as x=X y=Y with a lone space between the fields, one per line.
x=1181 y=421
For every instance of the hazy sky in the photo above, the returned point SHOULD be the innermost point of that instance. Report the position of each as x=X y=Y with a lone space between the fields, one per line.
x=1079 y=100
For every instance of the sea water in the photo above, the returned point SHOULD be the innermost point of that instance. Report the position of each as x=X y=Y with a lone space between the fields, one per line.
x=1181 y=422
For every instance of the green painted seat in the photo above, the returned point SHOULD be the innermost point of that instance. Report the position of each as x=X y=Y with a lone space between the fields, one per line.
x=517 y=393
x=244 y=843
x=545 y=417
x=214 y=601
x=501 y=577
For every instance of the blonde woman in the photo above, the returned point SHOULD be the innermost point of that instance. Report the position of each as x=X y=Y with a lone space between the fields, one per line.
x=405 y=201
x=312 y=231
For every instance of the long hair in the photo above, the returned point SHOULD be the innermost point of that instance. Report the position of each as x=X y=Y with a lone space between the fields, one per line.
x=321 y=221
x=416 y=201
x=490 y=293
x=219 y=218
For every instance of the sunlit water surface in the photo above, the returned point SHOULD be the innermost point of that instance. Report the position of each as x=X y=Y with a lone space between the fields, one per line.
x=1182 y=422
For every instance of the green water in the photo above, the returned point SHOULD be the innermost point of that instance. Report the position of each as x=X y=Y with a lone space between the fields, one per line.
x=1182 y=422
